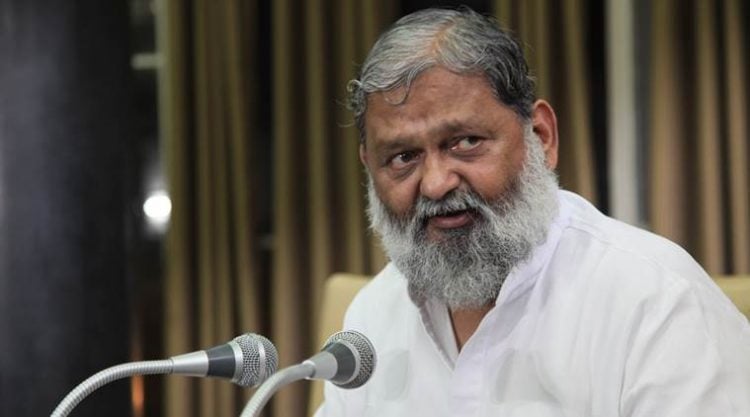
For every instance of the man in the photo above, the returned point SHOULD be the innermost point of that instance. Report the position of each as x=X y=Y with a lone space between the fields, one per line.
x=505 y=295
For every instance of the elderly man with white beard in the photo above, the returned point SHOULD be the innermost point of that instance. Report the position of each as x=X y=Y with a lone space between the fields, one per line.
x=506 y=296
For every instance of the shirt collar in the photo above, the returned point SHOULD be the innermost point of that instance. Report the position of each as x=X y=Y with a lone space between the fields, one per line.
x=523 y=276
x=435 y=317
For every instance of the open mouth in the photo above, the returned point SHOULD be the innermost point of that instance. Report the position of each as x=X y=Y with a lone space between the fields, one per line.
x=451 y=219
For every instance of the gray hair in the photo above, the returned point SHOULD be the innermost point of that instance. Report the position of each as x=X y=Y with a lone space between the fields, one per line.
x=461 y=40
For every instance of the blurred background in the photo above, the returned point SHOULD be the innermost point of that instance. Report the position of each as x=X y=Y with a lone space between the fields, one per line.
x=174 y=173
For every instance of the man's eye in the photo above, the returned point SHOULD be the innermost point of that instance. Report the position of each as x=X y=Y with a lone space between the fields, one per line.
x=467 y=143
x=403 y=159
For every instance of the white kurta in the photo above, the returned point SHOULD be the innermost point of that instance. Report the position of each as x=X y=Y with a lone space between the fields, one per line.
x=604 y=320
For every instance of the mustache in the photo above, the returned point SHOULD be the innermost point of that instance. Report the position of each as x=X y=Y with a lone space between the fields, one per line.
x=457 y=200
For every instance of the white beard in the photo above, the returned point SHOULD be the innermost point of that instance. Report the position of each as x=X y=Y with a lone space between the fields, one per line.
x=466 y=268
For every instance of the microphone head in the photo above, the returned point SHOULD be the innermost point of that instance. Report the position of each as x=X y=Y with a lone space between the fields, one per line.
x=259 y=359
x=364 y=354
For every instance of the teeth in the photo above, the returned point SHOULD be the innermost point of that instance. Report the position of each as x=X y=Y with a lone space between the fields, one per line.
x=452 y=213
x=447 y=211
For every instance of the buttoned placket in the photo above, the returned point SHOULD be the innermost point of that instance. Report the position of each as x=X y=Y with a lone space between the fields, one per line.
x=468 y=370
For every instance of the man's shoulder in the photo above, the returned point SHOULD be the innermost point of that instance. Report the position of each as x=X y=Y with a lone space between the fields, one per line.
x=384 y=296
x=387 y=284
x=627 y=244
x=628 y=263
x=623 y=270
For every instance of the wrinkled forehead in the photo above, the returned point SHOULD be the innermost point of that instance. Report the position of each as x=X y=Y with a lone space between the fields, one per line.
x=438 y=100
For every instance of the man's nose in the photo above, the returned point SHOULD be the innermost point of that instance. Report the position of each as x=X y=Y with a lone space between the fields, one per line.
x=438 y=177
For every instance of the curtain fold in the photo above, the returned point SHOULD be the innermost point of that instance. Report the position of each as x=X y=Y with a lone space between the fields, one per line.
x=178 y=317
x=554 y=34
x=212 y=287
x=696 y=113
x=736 y=94
x=319 y=224
x=215 y=285
x=291 y=263
x=697 y=129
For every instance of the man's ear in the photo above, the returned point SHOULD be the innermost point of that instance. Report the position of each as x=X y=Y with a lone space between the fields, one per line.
x=544 y=121
x=363 y=153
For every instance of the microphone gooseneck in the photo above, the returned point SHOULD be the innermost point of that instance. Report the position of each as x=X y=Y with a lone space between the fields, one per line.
x=101 y=378
x=247 y=360
x=279 y=379
x=347 y=360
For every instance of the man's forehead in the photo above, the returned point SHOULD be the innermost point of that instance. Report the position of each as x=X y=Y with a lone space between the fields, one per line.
x=435 y=80
x=401 y=136
x=436 y=103
x=435 y=86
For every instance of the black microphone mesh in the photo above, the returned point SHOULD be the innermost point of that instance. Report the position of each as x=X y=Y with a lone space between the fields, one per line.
x=366 y=355
x=253 y=371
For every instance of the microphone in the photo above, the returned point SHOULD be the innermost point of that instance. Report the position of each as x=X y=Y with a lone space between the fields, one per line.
x=247 y=360
x=347 y=360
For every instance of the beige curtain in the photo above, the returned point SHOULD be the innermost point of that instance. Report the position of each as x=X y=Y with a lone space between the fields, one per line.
x=319 y=224
x=554 y=32
x=699 y=192
x=214 y=288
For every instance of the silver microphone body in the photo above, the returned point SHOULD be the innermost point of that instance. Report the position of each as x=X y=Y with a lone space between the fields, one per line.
x=247 y=360
x=347 y=360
